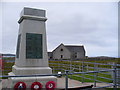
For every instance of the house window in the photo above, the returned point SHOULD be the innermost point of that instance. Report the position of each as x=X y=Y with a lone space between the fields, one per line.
x=61 y=56
x=75 y=56
x=61 y=49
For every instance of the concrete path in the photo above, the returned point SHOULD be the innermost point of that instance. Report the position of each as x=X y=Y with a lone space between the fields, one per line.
x=71 y=83
x=75 y=83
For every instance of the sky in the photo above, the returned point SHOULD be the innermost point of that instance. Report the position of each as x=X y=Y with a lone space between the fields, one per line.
x=92 y=24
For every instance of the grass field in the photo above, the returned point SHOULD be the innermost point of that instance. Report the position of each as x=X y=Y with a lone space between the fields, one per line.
x=65 y=65
x=91 y=76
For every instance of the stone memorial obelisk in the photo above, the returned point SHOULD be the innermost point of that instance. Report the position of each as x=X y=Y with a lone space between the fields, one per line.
x=31 y=53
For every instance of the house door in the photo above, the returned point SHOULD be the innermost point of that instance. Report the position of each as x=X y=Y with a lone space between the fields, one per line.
x=61 y=56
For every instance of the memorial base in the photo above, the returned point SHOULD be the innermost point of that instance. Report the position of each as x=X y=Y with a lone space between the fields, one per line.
x=43 y=80
x=31 y=70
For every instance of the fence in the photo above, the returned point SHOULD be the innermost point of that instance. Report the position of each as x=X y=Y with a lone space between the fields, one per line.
x=67 y=73
x=85 y=72
x=81 y=66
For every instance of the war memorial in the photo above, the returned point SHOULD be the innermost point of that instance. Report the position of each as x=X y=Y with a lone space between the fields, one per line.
x=31 y=53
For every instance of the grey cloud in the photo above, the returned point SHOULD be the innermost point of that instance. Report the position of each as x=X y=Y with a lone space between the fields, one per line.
x=91 y=24
x=74 y=28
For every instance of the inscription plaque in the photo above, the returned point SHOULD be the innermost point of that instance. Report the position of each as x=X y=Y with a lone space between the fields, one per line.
x=34 y=46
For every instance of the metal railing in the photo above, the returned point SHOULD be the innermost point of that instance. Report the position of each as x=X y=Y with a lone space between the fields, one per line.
x=82 y=69
x=67 y=73
x=96 y=67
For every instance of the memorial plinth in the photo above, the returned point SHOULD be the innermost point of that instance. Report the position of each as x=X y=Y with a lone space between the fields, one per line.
x=31 y=53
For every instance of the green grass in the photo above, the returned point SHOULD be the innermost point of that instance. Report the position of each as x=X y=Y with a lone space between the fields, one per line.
x=104 y=75
x=77 y=64
x=59 y=65
x=110 y=89
x=75 y=77
x=79 y=78
x=7 y=68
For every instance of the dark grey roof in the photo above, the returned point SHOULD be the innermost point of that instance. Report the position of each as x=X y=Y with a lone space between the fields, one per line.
x=50 y=53
x=75 y=48
x=8 y=54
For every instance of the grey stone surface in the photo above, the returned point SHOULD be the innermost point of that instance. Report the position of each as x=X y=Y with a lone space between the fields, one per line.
x=68 y=52
x=31 y=26
x=65 y=53
x=33 y=12
x=29 y=80
x=31 y=70
x=60 y=83
x=31 y=21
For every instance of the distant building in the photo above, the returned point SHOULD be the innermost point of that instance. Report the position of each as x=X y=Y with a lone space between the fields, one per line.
x=50 y=55
x=67 y=52
x=8 y=58
x=8 y=55
x=1 y=62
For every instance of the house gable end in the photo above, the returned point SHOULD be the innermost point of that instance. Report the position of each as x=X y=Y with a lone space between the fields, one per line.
x=61 y=52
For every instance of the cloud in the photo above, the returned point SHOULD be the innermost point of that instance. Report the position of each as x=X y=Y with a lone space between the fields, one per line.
x=91 y=24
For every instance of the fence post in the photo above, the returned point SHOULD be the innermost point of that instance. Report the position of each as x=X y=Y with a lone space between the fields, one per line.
x=114 y=77
x=71 y=68
x=95 y=69
x=82 y=71
x=87 y=67
x=61 y=65
x=79 y=67
x=66 y=80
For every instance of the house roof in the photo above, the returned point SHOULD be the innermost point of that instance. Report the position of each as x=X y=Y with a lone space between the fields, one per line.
x=50 y=53
x=72 y=48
